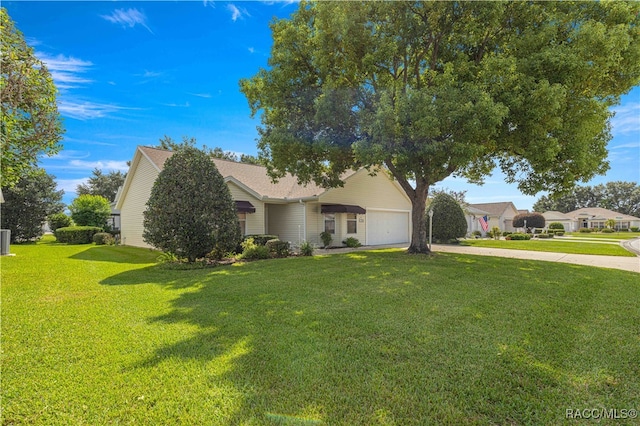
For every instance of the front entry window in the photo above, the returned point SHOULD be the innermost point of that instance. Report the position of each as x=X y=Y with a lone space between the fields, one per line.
x=352 y=223
x=330 y=223
x=242 y=220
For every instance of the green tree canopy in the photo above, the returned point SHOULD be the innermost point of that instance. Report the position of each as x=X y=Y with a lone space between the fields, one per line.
x=28 y=203
x=529 y=220
x=166 y=142
x=31 y=124
x=619 y=196
x=190 y=212
x=105 y=185
x=433 y=89
x=90 y=210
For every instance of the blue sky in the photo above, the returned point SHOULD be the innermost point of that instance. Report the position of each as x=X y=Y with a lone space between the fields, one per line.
x=130 y=72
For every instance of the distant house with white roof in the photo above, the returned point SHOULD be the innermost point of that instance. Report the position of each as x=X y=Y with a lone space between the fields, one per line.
x=595 y=217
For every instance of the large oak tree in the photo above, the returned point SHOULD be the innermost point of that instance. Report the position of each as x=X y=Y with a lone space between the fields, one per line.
x=30 y=124
x=434 y=89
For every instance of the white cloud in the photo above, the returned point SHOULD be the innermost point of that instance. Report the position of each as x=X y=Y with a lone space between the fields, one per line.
x=251 y=49
x=200 y=95
x=66 y=70
x=84 y=110
x=237 y=12
x=185 y=105
x=69 y=185
x=100 y=164
x=150 y=74
x=626 y=119
x=128 y=18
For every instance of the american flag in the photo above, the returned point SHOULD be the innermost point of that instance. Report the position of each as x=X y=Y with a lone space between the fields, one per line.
x=484 y=223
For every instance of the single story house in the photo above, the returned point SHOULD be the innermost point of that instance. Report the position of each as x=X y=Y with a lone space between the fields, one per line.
x=592 y=217
x=473 y=215
x=556 y=216
x=373 y=209
x=499 y=214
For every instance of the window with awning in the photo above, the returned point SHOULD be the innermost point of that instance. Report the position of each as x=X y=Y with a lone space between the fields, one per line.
x=341 y=208
x=245 y=207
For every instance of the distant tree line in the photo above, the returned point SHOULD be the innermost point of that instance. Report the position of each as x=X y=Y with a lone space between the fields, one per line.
x=619 y=196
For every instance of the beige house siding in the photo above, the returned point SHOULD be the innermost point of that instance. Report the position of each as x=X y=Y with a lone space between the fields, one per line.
x=135 y=202
x=286 y=221
x=358 y=191
x=255 y=221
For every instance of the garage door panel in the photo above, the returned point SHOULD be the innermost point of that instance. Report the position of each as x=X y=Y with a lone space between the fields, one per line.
x=387 y=227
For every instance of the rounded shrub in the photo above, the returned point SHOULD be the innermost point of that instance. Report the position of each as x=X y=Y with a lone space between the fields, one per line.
x=449 y=222
x=59 y=220
x=607 y=231
x=76 y=234
x=352 y=242
x=634 y=229
x=556 y=225
x=544 y=236
x=278 y=248
x=585 y=230
x=190 y=211
x=103 y=238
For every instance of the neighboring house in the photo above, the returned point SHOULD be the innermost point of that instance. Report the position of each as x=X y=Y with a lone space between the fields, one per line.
x=373 y=209
x=595 y=217
x=473 y=216
x=500 y=214
x=556 y=216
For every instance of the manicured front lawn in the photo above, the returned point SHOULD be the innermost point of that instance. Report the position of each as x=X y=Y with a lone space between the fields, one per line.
x=550 y=245
x=612 y=236
x=99 y=335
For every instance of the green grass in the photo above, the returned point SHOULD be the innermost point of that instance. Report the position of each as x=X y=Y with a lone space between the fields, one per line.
x=612 y=236
x=564 y=246
x=98 y=335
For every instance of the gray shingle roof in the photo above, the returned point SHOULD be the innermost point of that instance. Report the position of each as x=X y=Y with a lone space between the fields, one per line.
x=252 y=176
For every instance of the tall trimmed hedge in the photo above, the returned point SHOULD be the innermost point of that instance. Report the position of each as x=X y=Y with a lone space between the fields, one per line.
x=534 y=220
x=76 y=234
x=190 y=212
x=449 y=222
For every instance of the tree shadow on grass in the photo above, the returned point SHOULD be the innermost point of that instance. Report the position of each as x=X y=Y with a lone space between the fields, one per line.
x=362 y=339
x=117 y=254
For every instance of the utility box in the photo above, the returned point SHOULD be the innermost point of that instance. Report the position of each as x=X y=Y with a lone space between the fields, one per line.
x=5 y=239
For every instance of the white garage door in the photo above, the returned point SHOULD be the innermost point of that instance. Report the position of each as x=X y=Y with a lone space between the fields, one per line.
x=387 y=227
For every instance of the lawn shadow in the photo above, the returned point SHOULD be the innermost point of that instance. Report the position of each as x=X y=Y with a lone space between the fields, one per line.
x=117 y=254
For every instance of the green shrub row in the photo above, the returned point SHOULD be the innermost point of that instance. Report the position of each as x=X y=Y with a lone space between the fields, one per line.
x=261 y=239
x=635 y=229
x=76 y=234
x=518 y=236
x=545 y=236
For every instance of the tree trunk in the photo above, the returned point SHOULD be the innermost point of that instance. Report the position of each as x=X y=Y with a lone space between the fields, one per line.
x=418 y=219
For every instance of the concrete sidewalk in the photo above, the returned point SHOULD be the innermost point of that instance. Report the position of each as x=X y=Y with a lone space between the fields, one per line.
x=631 y=264
x=614 y=262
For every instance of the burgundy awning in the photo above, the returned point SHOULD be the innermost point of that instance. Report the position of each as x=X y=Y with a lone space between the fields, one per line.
x=245 y=207
x=341 y=208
